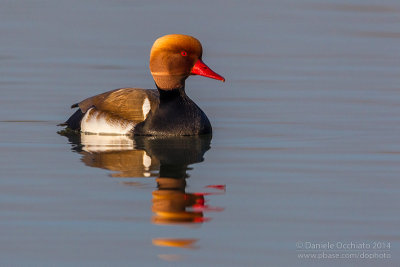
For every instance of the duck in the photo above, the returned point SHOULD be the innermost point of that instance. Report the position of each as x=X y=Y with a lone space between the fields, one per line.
x=164 y=111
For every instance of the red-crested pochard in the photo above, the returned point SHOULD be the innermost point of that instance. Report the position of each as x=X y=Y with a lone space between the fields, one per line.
x=166 y=110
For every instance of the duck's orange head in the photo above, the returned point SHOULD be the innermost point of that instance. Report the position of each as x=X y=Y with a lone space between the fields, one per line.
x=174 y=57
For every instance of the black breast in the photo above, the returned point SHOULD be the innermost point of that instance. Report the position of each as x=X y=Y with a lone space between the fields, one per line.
x=176 y=114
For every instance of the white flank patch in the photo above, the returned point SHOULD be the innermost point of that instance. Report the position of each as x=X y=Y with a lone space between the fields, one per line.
x=96 y=122
x=146 y=107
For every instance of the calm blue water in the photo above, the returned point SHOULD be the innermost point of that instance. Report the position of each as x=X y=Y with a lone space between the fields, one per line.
x=305 y=151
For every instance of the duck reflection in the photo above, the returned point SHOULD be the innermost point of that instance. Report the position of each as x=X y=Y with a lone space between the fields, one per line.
x=165 y=158
x=119 y=154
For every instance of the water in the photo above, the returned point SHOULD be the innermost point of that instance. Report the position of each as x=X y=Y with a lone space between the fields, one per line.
x=306 y=146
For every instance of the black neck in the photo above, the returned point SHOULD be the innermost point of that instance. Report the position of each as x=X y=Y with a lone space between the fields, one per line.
x=166 y=95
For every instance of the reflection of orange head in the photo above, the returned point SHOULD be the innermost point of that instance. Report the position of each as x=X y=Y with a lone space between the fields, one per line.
x=170 y=206
x=174 y=242
x=178 y=217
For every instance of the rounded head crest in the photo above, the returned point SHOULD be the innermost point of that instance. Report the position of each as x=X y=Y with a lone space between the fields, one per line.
x=172 y=58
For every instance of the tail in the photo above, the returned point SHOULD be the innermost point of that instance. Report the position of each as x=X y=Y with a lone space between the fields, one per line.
x=74 y=122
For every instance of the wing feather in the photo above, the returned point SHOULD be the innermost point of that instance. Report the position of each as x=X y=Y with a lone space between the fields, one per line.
x=126 y=103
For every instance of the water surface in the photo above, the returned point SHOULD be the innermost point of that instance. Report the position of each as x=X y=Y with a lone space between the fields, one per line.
x=305 y=148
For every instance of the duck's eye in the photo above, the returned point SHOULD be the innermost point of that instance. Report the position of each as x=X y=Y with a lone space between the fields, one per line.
x=184 y=53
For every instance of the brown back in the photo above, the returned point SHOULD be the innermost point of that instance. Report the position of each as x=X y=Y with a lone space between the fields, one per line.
x=126 y=103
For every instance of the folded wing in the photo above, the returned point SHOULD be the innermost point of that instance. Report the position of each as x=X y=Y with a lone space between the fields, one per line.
x=127 y=105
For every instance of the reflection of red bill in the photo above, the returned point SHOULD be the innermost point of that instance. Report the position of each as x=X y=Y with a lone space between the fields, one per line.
x=202 y=219
x=208 y=193
x=217 y=186
x=207 y=208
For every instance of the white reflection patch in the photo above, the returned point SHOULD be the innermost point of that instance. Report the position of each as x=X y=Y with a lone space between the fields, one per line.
x=106 y=143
